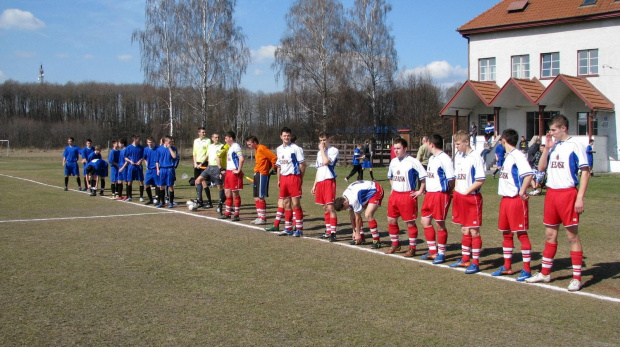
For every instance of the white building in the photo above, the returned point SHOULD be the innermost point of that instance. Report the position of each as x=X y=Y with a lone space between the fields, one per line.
x=531 y=59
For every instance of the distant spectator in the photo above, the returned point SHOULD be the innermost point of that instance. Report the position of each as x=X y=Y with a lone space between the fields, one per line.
x=489 y=131
x=523 y=145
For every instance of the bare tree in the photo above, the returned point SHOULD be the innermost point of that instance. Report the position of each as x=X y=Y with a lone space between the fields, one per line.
x=159 y=47
x=310 y=54
x=371 y=48
x=215 y=53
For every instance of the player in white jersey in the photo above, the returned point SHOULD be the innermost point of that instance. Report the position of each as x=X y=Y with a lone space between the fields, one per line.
x=404 y=173
x=291 y=167
x=467 y=203
x=562 y=158
x=439 y=185
x=358 y=196
x=324 y=187
x=514 y=180
x=233 y=180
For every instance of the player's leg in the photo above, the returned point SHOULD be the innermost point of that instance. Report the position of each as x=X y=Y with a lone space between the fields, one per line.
x=412 y=232
x=299 y=215
x=466 y=240
x=236 y=204
x=576 y=255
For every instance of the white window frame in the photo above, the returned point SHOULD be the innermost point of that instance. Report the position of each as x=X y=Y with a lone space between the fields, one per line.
x=521 y=66
x=587 y=62
x=554 y=65
x=486 y=69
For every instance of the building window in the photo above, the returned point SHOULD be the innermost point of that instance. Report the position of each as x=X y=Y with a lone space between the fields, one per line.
x=486 y=69
x=588 y=62
x=533 y=121
x=582 y=124
x=482 y=122
x=521 y=66
x=550 y=65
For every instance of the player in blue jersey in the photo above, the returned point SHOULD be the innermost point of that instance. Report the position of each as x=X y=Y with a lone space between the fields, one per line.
x=86 y=152
x=357 y=164
x=166 y=165
x=113 y=158
x=70 y=158
x=100 y=176
x=134 y=154
x=151 y=156
x=96 y=171
x=122 y=170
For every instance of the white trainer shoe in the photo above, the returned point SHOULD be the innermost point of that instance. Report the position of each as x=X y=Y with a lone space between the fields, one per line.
x=259 y=221
x=538 y=278
x=574 y=285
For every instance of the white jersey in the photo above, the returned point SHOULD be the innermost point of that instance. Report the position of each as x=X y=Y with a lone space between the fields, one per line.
x=326 y=172
x=289 y=159
x=514 y=170
x=233 y=156
x=358 y=193
x=564 y=161
x=468 y=169
x=405 y=173
x=439 y=173
x=212 y=153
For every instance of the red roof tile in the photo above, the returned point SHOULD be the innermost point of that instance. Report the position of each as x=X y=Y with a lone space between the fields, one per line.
x=584 y=90
x=539 y=13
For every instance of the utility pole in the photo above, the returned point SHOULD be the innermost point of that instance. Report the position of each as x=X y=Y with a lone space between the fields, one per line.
x=41 y=74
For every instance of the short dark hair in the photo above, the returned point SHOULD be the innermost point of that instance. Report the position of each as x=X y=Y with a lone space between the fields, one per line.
x=89 y=140
x=511 y=136
x=252 y=139
x=401 y=141
x=559 y=120
x=286 y=130
x=202 y=128
x=436 y=140
x=232 y=135
x=71 y=138
x=339 y=203
x=90 y=169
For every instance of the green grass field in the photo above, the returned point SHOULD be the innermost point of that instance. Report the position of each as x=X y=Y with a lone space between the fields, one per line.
x=81 y=270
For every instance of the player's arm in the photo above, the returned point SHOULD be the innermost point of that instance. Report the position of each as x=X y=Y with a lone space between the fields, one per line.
x=527 y=180
x=544 y=158
x=475 y=186
x=583 y=185
x=420 y=191
x=173 y=154
x=241 y=161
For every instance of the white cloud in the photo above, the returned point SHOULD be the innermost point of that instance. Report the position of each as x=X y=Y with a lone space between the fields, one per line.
x=440 y=70
x=125 y=57
x=2 y=76
x=258 y=72
x=24 y=54
x=89 y=56
x=13 y=18
x=263 y=53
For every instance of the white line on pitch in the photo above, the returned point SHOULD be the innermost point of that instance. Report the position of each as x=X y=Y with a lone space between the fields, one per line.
x=71 y=218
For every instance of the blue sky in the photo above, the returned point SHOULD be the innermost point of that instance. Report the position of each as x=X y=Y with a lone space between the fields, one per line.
x=90 y=40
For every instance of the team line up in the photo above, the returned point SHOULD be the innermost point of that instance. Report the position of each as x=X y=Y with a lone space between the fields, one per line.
x=441 y=183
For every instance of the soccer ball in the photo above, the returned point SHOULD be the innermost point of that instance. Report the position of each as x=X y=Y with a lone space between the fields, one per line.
x=192 y=206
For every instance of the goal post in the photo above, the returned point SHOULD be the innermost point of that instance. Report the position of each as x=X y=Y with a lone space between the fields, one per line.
x=3 y=144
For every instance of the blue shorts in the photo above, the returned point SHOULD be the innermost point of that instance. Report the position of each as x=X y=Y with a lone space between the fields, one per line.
x=151 y=178
x=367 y=164
x=134 y=173
x=167 y=176
x=260 y=185
x=102 y=172
x=71 y=168
x=114 y=174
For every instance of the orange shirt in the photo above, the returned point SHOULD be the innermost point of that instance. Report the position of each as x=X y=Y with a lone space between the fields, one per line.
x=265 y=160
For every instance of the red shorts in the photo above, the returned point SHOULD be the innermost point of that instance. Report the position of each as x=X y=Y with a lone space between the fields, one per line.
x=560 y=207
x=325 y=193
x=514 y=214
x=436 y=205
x=233 y=181
x=378 y=197
x=402 y=204
x=290 y=186
x=467 y=210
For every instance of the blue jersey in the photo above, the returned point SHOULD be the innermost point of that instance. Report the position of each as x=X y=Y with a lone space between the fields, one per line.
x=356 y=156
x=151 y=156
x=86 y=152
x=94 y=155
x=165 y=158
x=114 y=157
x=100 y=166
x=500 y=151
x=134 y=153
x=71 y=154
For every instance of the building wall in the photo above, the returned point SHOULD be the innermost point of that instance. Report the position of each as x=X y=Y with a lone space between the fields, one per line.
x=566 y=39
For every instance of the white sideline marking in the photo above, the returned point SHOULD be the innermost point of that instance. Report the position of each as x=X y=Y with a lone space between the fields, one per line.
x=89 y=217
x=445 y=266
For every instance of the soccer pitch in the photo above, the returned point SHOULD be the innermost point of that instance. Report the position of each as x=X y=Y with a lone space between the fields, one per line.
x=81 y=270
